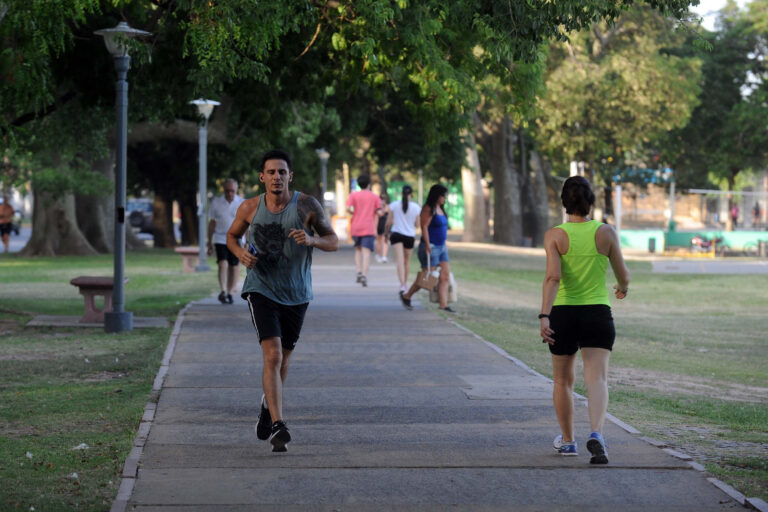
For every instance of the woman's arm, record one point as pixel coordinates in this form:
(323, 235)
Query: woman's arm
(425, 217)
(551, 281)
(609, 240)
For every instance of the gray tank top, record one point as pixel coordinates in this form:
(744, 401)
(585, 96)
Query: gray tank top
(283, 272)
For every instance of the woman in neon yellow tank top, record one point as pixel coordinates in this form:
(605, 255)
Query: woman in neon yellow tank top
(576, 313)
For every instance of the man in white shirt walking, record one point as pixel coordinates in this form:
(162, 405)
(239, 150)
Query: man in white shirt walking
(221, 213)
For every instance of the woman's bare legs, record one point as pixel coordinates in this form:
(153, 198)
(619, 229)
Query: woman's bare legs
(596, 380)
(400, 265)
(444, 284)
(564, 375)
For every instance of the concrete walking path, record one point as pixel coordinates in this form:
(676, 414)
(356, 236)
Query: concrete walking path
(389, 410)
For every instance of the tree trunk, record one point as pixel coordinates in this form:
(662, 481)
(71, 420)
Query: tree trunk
(94, 211)
(540, 193)
(54, 228)
(162, 221)
(476, 227)
(500, 142)
(188, 207)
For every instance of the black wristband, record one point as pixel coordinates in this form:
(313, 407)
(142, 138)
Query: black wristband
(543, 315)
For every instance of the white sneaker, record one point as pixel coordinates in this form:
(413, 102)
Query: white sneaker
(384, 259)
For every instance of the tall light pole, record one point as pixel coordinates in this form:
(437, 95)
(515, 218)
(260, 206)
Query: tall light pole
(115, 38)
(324, 156)
(205, 109)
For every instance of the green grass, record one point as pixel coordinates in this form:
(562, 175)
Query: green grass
(689, 363)
(62, 387)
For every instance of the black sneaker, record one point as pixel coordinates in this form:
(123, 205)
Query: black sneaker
(229, 299)
(223, 297)
(280, 437)
(364, 280)
(406, 302)
(448, 309)
(359, 277)
(264, 426)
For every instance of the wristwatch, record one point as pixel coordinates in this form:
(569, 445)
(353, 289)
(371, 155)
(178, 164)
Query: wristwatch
(543, 315)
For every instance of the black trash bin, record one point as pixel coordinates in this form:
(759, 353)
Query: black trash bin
(652, 245)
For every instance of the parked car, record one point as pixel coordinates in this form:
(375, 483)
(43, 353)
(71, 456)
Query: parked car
(140, 214)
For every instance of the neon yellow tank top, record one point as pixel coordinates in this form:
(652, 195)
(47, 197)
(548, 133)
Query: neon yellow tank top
(582, 268)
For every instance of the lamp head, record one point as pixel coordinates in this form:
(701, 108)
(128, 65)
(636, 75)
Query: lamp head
(204, 107)
(115, 38)
(323, 154)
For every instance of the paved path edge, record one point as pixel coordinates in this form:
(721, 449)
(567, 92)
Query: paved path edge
(752, 503)
(131, 466)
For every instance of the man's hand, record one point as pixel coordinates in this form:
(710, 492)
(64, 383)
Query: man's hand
(620, 292)
(247, 259)
(210, 248)
(301, 237)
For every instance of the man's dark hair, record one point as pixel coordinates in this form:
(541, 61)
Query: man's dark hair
(363, 181)
(275, 154)
(577, 196)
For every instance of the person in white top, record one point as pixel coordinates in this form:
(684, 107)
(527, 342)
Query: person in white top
(402, 222)
(222, 213)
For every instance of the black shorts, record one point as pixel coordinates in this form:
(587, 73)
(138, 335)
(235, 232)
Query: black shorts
(6, 228)
(223, 253)
(274, 320)
(381, 226)
(397, 238)
(581, 326)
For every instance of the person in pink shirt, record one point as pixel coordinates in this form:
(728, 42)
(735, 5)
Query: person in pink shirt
(364, 206)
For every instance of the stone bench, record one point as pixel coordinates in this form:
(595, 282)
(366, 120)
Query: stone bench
(90, 287)
(189, 258)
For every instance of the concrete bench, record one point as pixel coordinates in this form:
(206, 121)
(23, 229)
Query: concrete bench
(90, 287)
(189, 258)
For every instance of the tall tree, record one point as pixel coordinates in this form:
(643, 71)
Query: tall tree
(726, 134)
(613, 90)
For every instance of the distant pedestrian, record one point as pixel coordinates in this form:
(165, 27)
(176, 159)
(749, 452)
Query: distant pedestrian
(403, 219)
(222, 213)
(756, 215)
(282, 229)
(6, 221)
(735, 215)
(382, 242)
(433, 253)
(364, 206)
(576, 312)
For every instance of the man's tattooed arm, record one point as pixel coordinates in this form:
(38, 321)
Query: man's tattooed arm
(313, 217)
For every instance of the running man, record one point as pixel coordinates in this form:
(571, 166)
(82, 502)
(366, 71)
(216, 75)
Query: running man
(282, 229)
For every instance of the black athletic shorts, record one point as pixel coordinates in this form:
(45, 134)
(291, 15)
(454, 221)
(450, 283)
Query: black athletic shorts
(381, 226)
(6, 228)
(274, 320)
(581, 326)
(223, 253)
(397, 238)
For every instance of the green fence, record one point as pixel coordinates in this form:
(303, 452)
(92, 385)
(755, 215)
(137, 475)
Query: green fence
(662, 240)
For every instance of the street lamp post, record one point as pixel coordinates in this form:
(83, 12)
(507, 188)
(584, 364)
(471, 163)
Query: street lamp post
(324, 156)
(115, 38)
(205, 109)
